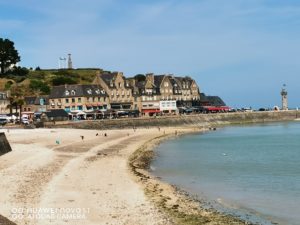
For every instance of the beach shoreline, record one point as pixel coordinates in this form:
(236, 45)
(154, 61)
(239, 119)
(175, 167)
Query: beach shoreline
(106, 171)
(179, 205)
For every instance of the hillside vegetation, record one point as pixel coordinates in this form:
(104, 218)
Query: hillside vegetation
(33, 82)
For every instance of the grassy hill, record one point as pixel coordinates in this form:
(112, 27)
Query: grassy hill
(33, 82)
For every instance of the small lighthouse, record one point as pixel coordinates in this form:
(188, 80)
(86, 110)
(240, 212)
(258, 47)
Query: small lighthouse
(69, 62)
(284, 98)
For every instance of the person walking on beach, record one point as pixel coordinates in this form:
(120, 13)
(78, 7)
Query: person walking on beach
(82, 137)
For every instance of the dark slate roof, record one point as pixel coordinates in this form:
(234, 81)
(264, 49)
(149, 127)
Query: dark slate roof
(158, 79)
(186, 79)
(175, 82)
(56, 113)
(212, 100)
(29, 100)
(108, 77)
(86, 90)
(34, 100)
(141, 84)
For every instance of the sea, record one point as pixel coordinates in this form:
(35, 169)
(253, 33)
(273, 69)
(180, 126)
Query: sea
(251, 171)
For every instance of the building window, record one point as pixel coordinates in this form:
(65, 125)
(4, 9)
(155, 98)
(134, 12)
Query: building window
(166, 84)
(73, 92)
(89, 91)
(67, 92)
(67, 100)
(73, 100)
(79, 100)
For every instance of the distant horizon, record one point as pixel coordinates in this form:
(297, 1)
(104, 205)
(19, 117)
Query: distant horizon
(242, 51)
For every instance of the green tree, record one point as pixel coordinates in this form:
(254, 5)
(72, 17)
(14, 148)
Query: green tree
(39, 86)
(140, 77)
(63, 80)
(8, 55)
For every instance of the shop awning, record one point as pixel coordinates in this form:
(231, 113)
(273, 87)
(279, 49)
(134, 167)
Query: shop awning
(150, 110)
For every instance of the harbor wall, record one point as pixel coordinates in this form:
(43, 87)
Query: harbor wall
(4, 144)
(197, 120)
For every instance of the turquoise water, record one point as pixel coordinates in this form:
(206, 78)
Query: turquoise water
(254, 171)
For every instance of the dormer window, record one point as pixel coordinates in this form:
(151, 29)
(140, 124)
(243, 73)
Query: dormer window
(97, 91)
(73, 92)
(67, 92)
(89, 91)
(102, 92)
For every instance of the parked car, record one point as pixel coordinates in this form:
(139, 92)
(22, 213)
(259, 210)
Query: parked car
(25, 121)
(3, 121)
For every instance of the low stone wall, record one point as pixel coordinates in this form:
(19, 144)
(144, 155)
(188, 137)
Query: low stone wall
(4, 144)
(199, 120)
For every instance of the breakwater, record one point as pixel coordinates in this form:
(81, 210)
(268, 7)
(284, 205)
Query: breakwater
(4, 144)
(197, 120)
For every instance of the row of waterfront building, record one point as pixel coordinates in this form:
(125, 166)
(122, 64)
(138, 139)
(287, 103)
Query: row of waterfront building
(149, 95)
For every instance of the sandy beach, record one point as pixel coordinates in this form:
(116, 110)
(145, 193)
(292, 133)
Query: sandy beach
(74, 176)
(82, 180)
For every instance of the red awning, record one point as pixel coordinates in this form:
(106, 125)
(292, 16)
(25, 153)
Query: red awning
(217, 108)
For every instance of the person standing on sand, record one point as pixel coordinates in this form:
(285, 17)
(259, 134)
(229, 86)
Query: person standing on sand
(82, 137)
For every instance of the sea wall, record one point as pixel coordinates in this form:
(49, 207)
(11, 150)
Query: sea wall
(199, 120)
(4, 144)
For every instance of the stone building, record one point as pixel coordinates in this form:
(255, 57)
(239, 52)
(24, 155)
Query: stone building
(35, 105)
(189, 91)
(75, 98)
(119, 90)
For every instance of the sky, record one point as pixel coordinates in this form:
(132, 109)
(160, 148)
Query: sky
(241, 50)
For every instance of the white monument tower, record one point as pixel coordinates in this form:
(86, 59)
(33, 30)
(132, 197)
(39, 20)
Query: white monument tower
(284, 98)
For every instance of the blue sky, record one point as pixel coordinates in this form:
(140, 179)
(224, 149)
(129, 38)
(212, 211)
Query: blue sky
(241, 50)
